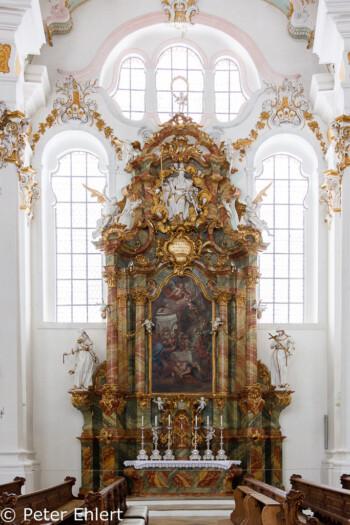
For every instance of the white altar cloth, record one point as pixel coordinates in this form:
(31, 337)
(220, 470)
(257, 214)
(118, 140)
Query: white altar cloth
(178, 463)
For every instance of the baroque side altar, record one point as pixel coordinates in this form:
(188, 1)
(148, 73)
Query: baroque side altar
(181, 271)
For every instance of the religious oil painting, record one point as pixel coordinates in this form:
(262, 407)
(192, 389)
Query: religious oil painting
(181, 339)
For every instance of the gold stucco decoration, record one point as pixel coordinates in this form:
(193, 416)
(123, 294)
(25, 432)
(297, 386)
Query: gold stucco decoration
(5, 53)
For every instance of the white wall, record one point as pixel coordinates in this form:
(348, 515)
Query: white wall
(302, 421)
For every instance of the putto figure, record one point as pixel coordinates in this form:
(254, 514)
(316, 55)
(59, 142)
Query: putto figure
(148, 325)
(160, 404)
(201, 405)
(216, 325)
(282, 345)
(85, 358)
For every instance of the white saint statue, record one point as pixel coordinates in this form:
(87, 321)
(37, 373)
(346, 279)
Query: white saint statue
(178, 194)
(85, 358)
(282, 345)
(232, 212)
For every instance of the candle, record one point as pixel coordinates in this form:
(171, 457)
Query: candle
(207, 421)
(142, 421)
(221, 420)
(156, 421)
(169, 420)
(196, 420)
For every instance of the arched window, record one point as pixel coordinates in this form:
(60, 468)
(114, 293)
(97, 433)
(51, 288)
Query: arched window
(229, 95)
(282, 265)
(179, 72)
(78, 263)
(130, 94)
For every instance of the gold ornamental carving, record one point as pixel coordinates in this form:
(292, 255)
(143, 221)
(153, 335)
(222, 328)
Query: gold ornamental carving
(340, 134)
(143, 402)
(140, 297)
(122, 299)
(180, 11)
(181, 249)
(251, 399)
(105, 436)
(75, 103)
(14, 129)
(219, 401)
(112, 400)
(223, 297)
(279, 399)
(110, 276)
(81, 399)
(240, 300)
(5, 53)
(251, 277)
(30, 191)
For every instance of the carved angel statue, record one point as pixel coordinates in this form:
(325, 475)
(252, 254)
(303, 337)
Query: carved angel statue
(104, 309)
(113, 210)
(252, 211)
(85, 358)
(160, 404)
(282, 345)
(128, 151)
(259, 308)
(148, 325)
(201, 405)
(216, 324)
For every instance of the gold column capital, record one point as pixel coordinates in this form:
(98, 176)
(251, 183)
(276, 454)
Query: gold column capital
(110, 276)
(223, 296)
(140, 296)
(251, 276)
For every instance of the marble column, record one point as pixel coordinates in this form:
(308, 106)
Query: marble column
(141, 298)
(223, 363)
(112, 339)
(251, 280)
(123, 354)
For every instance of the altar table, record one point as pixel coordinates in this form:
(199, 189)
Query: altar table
(181, 477)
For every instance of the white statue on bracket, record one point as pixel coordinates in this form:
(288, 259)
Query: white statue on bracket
(230, 207)
(178, 194)
(85, 359)
(282, 345)
(252, 212)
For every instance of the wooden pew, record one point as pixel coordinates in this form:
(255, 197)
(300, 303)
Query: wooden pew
(326, 502)
(345, 481)
(13, 487)
(239, 495)
(55, 504)
(262, 510)
(102, 506)
(290, 503)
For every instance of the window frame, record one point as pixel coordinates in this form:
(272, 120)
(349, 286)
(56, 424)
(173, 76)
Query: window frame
(59, 144)
(175, 73)
(312, 166)
(228, 93)
(130, 88)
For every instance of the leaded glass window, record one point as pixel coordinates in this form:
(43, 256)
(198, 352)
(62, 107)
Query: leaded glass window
(282, 265)
(179, 70)
(130, 93)
(78, 263)
(229, 95)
